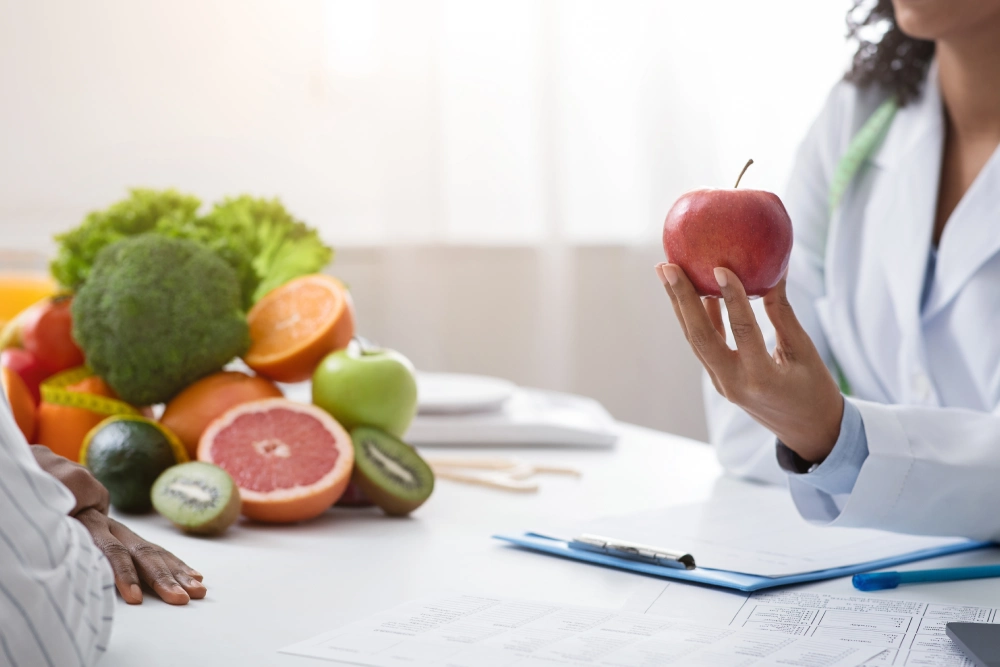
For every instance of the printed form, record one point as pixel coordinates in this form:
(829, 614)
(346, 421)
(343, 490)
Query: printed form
(908, 633)
(478, 631)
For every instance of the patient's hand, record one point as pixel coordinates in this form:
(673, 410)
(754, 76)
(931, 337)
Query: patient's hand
(88, 492)
(133, 559)
(790, 392)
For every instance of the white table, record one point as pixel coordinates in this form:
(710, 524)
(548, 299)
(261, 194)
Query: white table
(270, 586)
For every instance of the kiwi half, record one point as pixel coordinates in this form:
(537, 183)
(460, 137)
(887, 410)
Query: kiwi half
(197, 497)
(390, 472)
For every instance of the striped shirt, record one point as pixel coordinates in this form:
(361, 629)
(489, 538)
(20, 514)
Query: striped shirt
(57, 592)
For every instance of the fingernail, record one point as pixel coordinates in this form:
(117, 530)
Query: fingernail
(194, 583)
(720, 276)
(670, 274)
(135, 592)
(196, 573)
(659, 272)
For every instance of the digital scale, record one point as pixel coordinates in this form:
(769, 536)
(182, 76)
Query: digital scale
(467, 410)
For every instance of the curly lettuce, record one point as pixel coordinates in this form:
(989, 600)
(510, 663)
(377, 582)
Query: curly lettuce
(280, 247)
(258, 238)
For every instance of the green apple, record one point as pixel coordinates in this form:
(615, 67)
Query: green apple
(360, 386)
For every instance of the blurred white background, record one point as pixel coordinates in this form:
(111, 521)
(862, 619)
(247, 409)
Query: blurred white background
(493, 173)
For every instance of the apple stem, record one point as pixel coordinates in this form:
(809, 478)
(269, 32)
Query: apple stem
(740, 177)
(365, 346)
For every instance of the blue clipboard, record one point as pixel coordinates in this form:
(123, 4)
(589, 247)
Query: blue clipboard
(737, 580)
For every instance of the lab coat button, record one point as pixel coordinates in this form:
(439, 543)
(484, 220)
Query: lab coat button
(921, 386)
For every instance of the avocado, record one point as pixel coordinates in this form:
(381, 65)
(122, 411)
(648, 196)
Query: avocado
(126, 454)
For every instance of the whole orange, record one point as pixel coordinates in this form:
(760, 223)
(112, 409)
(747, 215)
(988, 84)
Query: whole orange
(20, 401)
(192, 410)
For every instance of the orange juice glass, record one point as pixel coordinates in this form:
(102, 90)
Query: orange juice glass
(24, 280)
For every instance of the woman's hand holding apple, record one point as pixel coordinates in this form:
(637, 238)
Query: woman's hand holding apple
(791, 392)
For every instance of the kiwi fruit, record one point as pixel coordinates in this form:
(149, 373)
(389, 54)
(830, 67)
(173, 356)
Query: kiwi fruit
(390, 472)
(197, 497)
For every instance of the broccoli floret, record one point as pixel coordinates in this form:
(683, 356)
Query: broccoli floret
(156, 314)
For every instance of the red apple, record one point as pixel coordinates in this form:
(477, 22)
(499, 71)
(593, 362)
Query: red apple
(48, 334)
(27, 365)
(746, 231)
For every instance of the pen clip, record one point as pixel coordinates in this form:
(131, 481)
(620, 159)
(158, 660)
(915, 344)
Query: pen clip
(633, 551)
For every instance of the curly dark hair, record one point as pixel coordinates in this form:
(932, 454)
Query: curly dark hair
(886, 56)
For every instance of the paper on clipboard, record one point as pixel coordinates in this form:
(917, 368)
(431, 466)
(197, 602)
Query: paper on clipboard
(756, 530)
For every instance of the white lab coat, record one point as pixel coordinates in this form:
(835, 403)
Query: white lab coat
(927, 384)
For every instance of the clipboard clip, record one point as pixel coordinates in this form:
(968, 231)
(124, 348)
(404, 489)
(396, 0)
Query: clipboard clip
(633, 551)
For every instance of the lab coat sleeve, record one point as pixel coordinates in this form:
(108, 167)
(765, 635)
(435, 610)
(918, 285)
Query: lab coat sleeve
(929, 470)
(744, 447)
(838, 473)
(57, 593)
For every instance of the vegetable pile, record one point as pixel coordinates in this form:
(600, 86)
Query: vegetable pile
(158, 299)
(264, 244)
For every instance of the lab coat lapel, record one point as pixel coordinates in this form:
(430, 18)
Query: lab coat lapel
(971, 237)
(904, 199)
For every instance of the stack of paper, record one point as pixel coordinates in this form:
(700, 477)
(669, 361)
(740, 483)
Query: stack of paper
(908, 632)
(479, 631)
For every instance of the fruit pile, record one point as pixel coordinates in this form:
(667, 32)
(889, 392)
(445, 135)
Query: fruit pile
(150, 324)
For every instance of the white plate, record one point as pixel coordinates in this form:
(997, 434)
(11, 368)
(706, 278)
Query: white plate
(456, 393)
(528, 418)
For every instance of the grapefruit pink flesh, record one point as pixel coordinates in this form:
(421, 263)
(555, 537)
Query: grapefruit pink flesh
(290, 461)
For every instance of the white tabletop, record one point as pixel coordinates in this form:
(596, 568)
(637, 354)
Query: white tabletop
(271, 586)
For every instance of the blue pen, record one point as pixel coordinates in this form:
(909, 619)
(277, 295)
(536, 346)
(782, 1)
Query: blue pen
(877, 581)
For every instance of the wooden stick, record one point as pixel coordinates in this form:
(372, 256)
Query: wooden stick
(491, 481)
(520, 468)
(557, 470)
(472, 464)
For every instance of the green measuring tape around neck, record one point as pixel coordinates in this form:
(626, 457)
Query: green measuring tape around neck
(862, 147)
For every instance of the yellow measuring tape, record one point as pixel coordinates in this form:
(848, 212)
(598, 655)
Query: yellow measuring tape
(54, 391)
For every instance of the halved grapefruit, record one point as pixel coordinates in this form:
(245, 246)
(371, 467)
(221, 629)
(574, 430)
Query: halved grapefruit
(291, 461)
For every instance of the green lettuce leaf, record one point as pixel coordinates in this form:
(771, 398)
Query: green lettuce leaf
(259, 238)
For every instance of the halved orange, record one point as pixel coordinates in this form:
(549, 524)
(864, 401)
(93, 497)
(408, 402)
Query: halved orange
(296, 325)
